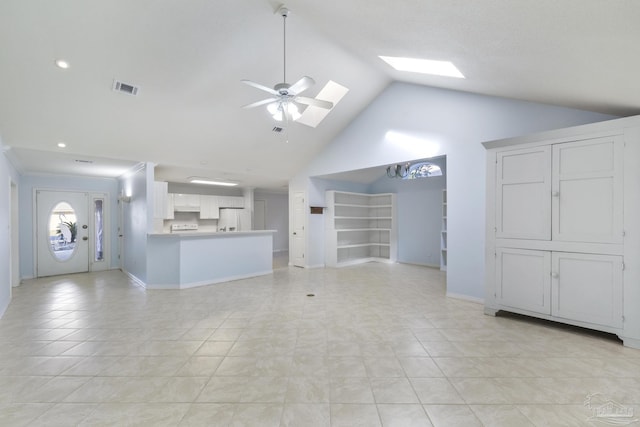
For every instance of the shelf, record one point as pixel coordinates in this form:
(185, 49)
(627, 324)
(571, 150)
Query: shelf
(360, 245)
(360, 228)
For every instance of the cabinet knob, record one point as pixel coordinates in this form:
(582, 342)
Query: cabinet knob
(556, 194)
(555, 275)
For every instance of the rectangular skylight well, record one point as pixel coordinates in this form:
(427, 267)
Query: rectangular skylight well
(425, 66)
(332, 92)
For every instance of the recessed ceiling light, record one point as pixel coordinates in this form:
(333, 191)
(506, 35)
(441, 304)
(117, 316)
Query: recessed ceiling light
(61, 145)
(425, 66)
(61, 63)
(209, 182)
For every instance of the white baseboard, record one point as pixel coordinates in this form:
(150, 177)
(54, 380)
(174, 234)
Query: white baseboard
(465, 298)
(134, 278)
(205, 282)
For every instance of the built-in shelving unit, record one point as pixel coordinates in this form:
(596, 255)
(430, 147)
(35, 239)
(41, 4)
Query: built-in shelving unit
(443, 233)
(360, 228)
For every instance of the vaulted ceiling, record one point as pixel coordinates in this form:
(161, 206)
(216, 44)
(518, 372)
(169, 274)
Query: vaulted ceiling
(188, 58)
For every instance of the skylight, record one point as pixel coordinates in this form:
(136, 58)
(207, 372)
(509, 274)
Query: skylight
(425, 66)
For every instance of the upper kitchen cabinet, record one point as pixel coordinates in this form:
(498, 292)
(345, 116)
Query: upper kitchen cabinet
(186, 202)
(231, 202)
(162, 201)
(209, 207)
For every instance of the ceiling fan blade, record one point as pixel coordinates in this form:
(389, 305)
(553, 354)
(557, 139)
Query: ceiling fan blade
(315, 102)
(259, 86)
(301, 85)
(259, 103)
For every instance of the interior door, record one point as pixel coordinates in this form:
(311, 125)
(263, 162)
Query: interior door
(298, 229)
(62, 232)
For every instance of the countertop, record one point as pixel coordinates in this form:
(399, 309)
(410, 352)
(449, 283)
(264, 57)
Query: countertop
(196, 234)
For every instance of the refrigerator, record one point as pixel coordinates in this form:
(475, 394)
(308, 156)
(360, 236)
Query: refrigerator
(234, 220)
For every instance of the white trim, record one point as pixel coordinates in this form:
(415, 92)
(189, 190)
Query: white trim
(134, 278)
(465, 298)
(205, 282)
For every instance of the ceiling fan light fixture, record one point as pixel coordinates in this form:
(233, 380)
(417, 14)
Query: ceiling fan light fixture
(276, 109)
(424, 66)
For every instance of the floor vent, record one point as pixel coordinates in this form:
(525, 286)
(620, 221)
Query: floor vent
(277, 129)
(127, 88)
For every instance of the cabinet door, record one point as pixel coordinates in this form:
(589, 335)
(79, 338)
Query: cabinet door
(160, 197)
(524, 279)
(587, 191)
(523, 194)
(209, 207)
(587, 288)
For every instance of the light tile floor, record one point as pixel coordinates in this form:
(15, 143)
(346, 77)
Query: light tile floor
(377, 345)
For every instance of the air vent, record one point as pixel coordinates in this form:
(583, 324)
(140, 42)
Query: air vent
(277, 129)
(83, 161)
(127, 88)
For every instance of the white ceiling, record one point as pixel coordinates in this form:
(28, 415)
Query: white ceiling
(188, 58)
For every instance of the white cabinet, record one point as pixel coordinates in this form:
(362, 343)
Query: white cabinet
(588, 288)
(524, 279)
(560, 207)
(186, 202)
(209, 207)
(523, 203)
(231, 201)
(587, 191)
(162, 203)
(360, 228)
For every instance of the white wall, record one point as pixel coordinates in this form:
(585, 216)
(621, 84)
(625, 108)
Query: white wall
(408, 122)
(58, 182)
(8, 174)
(276, 217)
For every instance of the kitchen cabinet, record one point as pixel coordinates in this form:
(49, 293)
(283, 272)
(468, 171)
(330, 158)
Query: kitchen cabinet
(360, 228)
(186, 202)
(563, 220)
(162, 203)
(209, 207)
(231, 202)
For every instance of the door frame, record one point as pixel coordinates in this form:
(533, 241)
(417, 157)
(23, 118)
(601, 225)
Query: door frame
(91, 196)
(14, 250)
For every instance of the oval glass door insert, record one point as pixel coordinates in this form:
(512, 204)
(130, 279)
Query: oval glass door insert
(63, 229)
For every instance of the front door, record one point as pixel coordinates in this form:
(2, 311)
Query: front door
(62, 232)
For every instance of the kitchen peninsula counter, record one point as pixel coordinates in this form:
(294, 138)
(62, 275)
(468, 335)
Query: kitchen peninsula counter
(188, 259)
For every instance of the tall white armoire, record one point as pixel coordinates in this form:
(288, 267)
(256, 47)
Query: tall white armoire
(563, 226)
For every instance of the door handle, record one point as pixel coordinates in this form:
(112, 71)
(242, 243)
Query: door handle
(294, 233)
(85, 238)
(84, 227)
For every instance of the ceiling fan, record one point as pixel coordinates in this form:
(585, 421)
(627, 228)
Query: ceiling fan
(284, 96)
